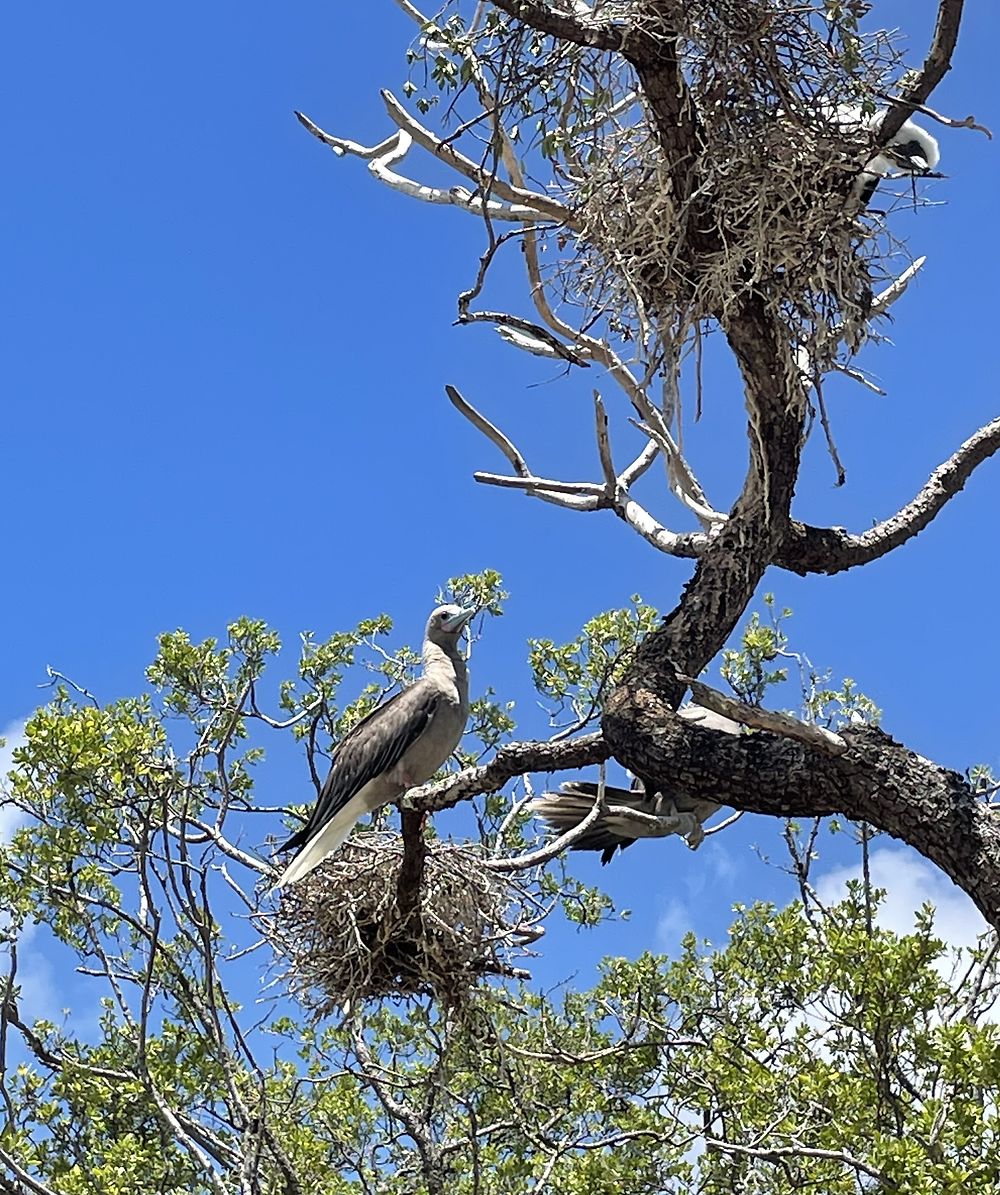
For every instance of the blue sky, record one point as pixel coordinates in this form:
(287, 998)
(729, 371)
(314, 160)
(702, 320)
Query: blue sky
(225, 353)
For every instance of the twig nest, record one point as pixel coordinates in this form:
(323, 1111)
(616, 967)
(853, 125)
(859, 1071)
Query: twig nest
(762, 195)
(346, 941)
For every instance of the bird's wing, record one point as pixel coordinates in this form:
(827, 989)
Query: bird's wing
(375, 745)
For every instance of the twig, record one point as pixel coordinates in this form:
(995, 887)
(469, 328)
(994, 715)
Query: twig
(969, 122)
(558, 845)
(55, 676)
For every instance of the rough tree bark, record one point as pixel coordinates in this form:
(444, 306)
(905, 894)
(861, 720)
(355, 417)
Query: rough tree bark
(876, 780)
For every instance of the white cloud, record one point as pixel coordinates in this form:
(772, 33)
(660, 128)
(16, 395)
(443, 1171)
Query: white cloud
(13, 734)
(673, 923)
(909, 881)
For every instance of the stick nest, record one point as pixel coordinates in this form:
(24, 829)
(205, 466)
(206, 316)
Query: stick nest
(346, 942)
(749, 187)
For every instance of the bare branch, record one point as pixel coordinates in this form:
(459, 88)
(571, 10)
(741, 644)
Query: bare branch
(604, 446)
(554, 848)
(491, 432)
(503, 319)
(541, 483)
(683, 482)
(832, 550)
(630, 475)
(489, 182)
(951, 122)
(664, 540)
(857, 376)
(936, 66)
(512, 759)
(884, 299)
(382, 157)
(556, 493)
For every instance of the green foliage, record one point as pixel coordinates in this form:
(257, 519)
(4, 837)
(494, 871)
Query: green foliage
(483, 590)
(763, 640)
(745, 669)
(813, 1051)
(577, 675)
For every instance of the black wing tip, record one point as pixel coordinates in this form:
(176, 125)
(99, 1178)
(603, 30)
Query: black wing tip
(296, 842)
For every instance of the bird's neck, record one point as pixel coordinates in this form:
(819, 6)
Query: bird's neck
(448, 665)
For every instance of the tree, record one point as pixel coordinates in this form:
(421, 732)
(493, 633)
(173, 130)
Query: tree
(696, 182)
(814, 1051)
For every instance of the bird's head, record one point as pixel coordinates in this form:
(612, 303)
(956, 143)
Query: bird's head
(913, 148)
(447, 622)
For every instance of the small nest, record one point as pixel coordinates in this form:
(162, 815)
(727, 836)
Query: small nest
(346, 941)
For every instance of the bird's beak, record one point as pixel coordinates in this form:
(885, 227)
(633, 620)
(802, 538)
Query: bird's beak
(457, 621)
(914, 162)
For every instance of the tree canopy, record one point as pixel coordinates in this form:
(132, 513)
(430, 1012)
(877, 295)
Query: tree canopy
(677, 182)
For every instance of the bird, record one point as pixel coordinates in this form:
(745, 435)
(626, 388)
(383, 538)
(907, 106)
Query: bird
(398, 745)
(564, 810)
(911, 149)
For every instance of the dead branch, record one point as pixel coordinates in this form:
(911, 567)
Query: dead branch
(759, 718)
(832, 550)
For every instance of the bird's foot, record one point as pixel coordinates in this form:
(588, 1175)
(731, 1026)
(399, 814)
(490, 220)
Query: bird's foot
(687, 824)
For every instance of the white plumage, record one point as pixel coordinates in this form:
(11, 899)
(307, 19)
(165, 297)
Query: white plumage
(912, 149)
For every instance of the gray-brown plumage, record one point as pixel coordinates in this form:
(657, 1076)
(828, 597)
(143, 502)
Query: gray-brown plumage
(399, 745)
(564, 810)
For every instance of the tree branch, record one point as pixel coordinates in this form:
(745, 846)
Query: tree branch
(513, 759)
(758, 718)
(487, 181)
(382, 157)
(568, 28)
(831, 550)
(877, 780)
(776, 1153)
(936, 66)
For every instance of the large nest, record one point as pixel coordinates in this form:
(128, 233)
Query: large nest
(749, 186)
(346, 939)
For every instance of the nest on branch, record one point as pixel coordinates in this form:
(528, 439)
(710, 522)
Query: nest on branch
(349, 932)
(752, 186)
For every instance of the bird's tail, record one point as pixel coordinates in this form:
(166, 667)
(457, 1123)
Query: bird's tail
(319, 847)
(568, 807)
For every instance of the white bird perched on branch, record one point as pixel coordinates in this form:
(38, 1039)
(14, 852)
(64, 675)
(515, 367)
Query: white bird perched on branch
(911, 150)
(399, 745)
